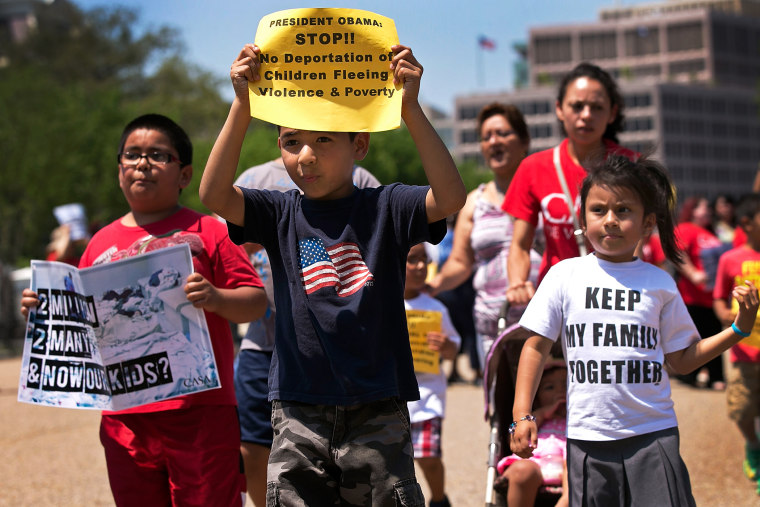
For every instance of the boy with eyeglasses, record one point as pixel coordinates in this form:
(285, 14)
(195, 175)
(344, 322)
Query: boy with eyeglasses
(185, 450)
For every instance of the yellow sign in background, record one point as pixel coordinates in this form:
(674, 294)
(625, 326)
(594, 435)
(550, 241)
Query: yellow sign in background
(420, 323)
(748, 273)
(326, 70)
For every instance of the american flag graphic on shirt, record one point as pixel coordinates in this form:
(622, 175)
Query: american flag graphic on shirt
(340, 266)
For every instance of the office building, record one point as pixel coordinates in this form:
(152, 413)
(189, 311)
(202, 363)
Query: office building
(689, 73)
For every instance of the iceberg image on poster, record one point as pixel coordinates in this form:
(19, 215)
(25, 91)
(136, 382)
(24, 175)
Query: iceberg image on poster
(115, 335)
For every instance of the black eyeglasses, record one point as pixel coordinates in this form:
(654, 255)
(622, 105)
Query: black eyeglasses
(153, 158)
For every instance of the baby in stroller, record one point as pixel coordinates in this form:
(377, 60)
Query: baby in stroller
(545, 470)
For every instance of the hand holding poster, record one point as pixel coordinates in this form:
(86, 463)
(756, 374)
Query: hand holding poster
(115, 335)
(74, 216)
(420, 323)
(326, 70)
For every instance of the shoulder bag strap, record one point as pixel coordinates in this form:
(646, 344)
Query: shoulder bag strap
(577, 232)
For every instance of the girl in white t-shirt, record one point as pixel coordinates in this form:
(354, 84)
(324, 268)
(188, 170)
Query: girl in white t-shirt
(619, 319)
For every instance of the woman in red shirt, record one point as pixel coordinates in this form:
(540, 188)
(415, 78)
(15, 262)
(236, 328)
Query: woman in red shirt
(696, 278)
(589, 108)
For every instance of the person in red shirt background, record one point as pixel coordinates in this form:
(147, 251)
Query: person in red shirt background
(696, 278)
(743, 374)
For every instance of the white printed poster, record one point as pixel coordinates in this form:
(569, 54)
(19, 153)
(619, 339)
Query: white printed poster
(115, 335)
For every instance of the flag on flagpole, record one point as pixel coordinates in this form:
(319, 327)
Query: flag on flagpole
(486, 43)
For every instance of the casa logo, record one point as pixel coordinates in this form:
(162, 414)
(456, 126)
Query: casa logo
(555, 209)
(198, 381)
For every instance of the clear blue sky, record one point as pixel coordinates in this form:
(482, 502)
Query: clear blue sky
(442, 33)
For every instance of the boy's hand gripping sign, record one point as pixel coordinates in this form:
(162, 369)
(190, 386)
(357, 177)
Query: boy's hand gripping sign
(326, 70)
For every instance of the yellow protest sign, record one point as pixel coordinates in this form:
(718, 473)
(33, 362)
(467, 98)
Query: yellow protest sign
(326, 69)
(420, 323)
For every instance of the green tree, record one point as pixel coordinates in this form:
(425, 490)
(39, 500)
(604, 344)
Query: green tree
(65, 94)
(393, 157)
(54, 141)
(98, 46)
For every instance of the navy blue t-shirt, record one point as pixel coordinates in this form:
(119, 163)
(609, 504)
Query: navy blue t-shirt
(338, 269)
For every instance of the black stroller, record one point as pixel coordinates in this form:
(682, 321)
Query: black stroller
(499, 389)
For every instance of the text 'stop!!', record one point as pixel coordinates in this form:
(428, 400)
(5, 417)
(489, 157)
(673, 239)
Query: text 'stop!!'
(326, 70)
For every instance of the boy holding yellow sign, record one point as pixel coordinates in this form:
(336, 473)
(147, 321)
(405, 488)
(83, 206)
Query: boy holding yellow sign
(441, 340)
(341, 371)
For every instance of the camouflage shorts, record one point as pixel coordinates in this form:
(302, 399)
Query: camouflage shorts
(342, 455)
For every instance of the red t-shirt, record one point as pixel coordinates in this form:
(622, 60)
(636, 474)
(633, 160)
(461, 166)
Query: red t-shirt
(535, 190)
(735, 266)
(220, 261)
(652, 251)
(740, 237)
(692, 239)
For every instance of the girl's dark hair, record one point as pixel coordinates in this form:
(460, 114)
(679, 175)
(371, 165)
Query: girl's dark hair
(688, 207)
(747, 207)
(591, 71)
(550, 366)
(650, 181)
(177, 136)
(728, 199)
(512, 114)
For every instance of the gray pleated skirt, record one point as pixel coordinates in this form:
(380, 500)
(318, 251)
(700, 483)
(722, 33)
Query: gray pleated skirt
(641, 471)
